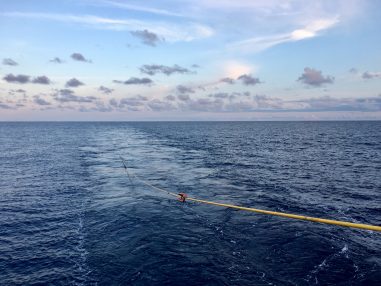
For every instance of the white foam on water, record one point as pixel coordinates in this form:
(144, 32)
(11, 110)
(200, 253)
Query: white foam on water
(83, 270)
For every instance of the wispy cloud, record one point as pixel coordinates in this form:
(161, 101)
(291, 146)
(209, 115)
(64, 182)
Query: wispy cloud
(311, 30)
(139, 8)
(184, 31)
(56, 60)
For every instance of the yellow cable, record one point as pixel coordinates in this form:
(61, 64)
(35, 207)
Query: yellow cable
(281, 214)
(293, 216)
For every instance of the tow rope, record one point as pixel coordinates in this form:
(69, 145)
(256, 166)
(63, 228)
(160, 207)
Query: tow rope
(182, 197)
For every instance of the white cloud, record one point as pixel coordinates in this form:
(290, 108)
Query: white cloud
(258, 44)
(139, 8)
(172, 32)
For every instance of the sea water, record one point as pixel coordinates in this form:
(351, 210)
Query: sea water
(69, 214)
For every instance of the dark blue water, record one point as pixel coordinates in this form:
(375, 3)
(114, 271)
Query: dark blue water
(70, 216)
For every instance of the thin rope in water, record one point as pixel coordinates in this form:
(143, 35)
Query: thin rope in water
(273, 213)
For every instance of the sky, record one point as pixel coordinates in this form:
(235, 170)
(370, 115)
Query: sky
(190, 60)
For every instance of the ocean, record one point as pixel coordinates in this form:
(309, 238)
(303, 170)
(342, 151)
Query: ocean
(70, 215)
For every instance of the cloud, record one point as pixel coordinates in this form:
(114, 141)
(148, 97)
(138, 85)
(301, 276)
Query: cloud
(148, 38)
(20, 90)
(183, 97)
(311, 30)
(228, 80)
(204, 104)
(41, 80)
(135, 80)
(248, 79)
(99, 107)
(170, 97)
(222, 102)
(314, 77)
(327, 103)
(113, 102)
(219, 95)
(158, 105)
(245, 102)
(230, 96)
(263, 103)
(84, 109)
(129, 102)
(137, 100)
(142, 9)
(73, 83)
(105, 90)
(246, 93)
(68, 95)
(371, 100)
(187, 31)
(353, 70)
(56, 60)
(9, 62)
(167, 70)
(142, 103)
(371, 75)
(21, 78)
(40, 101)
(79, 58)
(184, 89)
(204, 86)
(6, 106)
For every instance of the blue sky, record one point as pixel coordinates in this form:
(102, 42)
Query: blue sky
(190, 60)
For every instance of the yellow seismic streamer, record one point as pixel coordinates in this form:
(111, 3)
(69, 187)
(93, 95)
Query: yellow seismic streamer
(293, 216)
(281, 214)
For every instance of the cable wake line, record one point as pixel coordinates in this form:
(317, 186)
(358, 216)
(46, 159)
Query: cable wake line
(183, 197)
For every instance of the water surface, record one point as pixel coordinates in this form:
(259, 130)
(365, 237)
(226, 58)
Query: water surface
(69, 215)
